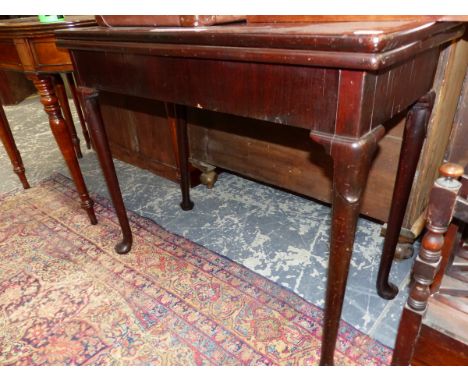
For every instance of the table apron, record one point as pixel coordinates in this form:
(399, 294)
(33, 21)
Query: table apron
(301, 96)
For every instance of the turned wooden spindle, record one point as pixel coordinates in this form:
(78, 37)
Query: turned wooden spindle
(44, 85)
(442, 201)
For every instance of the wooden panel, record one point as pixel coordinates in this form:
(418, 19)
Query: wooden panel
(457, 151)
(155, 128)
(436, 349)
(9, 58)
(305, 96)
(14, 87)
(138, 133)
(401, 86)
(447, 84)
(286, 157)
(119, 122)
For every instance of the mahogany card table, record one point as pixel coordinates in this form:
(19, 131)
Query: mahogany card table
(27, 45)
(340, 81)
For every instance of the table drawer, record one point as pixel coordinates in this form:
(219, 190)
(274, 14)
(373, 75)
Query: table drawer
(48, 57)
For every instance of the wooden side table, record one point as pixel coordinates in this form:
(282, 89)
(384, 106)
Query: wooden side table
(340, 81)
(28, 46)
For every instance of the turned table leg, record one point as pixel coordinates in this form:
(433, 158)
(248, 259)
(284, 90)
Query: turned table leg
(352, 159)
(413, 138)
(101, 145)
(44, 85)
(61, 93)
(176, 115)
(10, 146)
(76, 101)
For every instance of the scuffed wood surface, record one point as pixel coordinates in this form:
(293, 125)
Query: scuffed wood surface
(448, 85)
(458, 148)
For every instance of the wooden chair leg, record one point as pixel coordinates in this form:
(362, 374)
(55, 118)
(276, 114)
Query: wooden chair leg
(44, 85)
(440, 211)
(351, 163)
(12, 151)
(61, 93)
(79, 110)
(101, 145)
(413, 139)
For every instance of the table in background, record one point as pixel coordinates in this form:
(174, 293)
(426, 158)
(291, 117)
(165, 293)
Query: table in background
(28, 46)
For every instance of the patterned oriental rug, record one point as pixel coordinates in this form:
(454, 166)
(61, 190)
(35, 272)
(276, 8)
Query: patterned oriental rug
(67, 299)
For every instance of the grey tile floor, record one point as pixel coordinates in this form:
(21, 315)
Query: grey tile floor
(281, 236)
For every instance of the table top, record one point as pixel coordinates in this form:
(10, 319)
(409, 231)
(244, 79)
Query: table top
(343, 36)
(357, 45)
(31, 26)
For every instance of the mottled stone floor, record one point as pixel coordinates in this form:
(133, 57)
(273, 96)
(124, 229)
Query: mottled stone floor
(279, 235)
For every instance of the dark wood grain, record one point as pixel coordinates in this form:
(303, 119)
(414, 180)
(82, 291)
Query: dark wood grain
(79, 111)
(177, 119)
(351, 163)
(457, 151)
(232, 87)
(436, 349)
(98, 136)
(413, 139)
(14, 87)
(246, 89)
(320, 41)
(61, 93)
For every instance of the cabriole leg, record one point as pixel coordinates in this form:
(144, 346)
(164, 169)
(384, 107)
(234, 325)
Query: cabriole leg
(101, 145)
(413, 139)
(351, 163)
